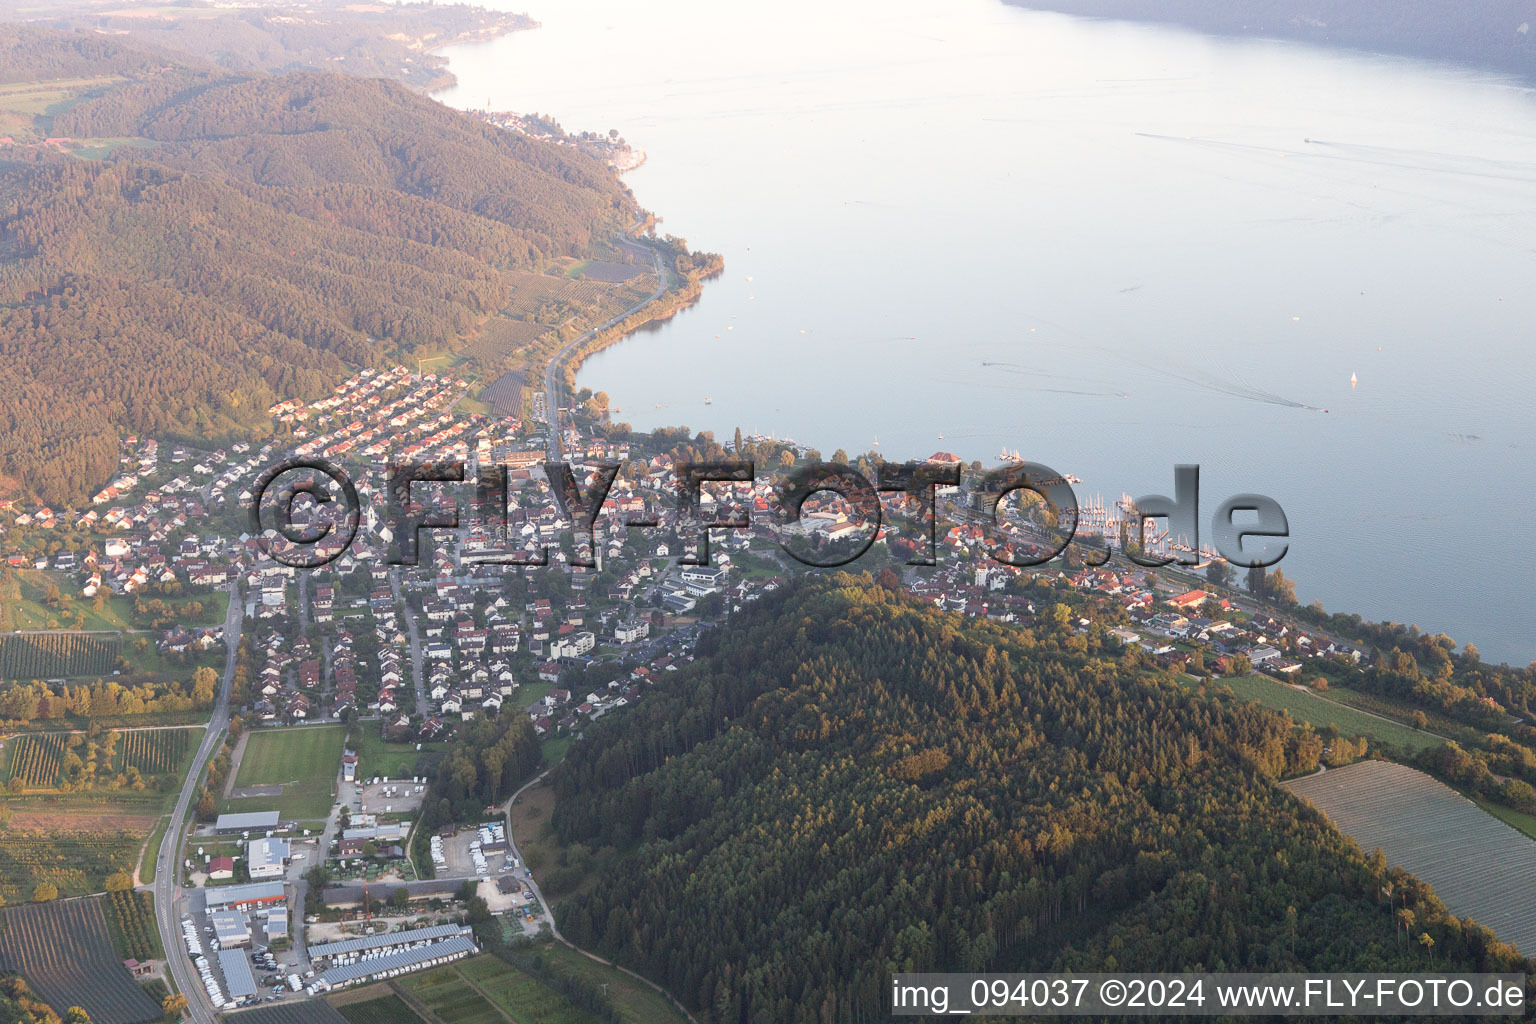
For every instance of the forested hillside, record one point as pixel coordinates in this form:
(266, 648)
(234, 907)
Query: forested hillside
(266, 231)
(1486, 33)
(849, 782)
(396, 41)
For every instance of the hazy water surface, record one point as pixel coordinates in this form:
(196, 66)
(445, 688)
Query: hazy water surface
(1109, 246)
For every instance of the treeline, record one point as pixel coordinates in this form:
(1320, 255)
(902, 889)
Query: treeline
(1491, 34)
(39, 701)
(485, 763)
(283, 230)
(849, 783)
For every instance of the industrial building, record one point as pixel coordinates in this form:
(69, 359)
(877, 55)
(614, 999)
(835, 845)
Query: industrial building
(412, 958)
(239, 982)
(230, 928)
(255, 894)
(254, 821)
(266, 858)
(275, 924)
(371, 943)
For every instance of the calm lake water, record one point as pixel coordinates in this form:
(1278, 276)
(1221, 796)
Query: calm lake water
(1112, 247)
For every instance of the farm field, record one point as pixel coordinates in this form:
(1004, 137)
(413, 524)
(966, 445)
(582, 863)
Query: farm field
(65, 951)
(504, 396)
(471, 991)
(58, 654)
(446, 995)
(522, 995)
(303, 1011)
(131, 920)
(636, 1002)
(24, 604)
(33, 761)
(385, 1009)
(1319, 712)
(1474, 861)
(76, 861)
(303, 760)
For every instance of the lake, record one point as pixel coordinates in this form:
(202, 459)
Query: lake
(1111, 247)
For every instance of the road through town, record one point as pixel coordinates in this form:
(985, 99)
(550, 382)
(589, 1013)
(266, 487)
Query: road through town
(166, 887)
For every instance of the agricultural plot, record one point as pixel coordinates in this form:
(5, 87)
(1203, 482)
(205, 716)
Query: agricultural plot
(130, 918)
(65, 952)
(612, 273)
(305, 1011)
(505, 394)
(75, 861)
(52, 655)
(635, 1001)
(502, 336)
(448, 997)
(155, 751)
(389, 1009)
(1480, 866)
(35, 760)
(523, 996)
(38, 599)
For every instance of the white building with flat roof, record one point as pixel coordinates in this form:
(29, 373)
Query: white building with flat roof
(266, 858)
(231, 928)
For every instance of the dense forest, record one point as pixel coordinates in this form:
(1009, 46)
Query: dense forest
(849, 782)
(274, 230)
(1490, 33)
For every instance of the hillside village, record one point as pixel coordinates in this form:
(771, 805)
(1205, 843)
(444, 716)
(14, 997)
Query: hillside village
(420, 649)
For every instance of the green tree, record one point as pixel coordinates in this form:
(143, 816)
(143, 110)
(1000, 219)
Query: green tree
(1219, 572)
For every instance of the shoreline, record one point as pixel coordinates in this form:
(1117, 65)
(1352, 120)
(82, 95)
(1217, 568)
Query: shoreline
(446, 79)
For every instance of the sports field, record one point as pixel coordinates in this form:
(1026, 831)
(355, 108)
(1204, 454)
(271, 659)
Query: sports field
(303, 760)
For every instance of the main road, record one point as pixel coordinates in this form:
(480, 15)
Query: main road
(552, 368)
(166, 888)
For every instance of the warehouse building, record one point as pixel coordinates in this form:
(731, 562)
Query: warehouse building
(387, 965)
(256, 894)
(239, 982)
(266, 858)
(255, 821)
(375, 943)
(231, 928)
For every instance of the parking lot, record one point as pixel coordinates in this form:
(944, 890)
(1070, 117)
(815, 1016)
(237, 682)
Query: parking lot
(270, 970)
(396, 796)
(461, 863)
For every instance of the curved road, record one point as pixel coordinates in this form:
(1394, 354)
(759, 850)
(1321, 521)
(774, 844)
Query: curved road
(168, 861)
(551, 369)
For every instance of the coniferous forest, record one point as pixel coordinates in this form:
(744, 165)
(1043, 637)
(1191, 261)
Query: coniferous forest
(848, 783)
